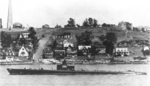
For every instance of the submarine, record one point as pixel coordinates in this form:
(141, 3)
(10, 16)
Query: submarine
(64, 69)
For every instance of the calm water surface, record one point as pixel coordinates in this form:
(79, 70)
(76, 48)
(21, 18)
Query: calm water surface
(77, 80)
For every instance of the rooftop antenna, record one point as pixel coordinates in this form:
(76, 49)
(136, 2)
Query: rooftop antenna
(9, 18)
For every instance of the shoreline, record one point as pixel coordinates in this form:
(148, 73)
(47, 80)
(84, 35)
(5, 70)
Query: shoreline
(81, 63)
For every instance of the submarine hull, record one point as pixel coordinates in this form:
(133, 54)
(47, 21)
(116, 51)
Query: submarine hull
(66, 72)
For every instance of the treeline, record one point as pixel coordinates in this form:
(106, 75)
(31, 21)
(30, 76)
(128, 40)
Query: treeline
(93, 23)
(88, 22)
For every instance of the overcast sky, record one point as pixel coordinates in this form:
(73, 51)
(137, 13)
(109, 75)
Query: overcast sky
(39, 12)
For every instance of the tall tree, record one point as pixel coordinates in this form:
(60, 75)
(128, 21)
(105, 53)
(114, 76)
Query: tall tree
(111, 36)
(95, 24)
(85, 23)
(129, 26)
(111, 39)
(91, 22)
(32, 35)
(71, 23)
(32, 32)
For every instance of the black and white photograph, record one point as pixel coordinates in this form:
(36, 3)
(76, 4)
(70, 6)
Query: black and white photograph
(74, 43)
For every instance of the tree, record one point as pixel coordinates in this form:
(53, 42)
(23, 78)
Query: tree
(129, 26)
(85, 23)
(111, 36)
(78, 25)
(104, 25)
(32, 32)
(95, 24)
(6, 39)
(58, 26)
(111, 39)
(54, 44)
(34, 39)
(85, 38)
(91, 22)
(71, 23)
(102, 37)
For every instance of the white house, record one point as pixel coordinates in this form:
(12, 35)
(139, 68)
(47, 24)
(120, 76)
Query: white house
(80, 47)
(23, 52)
(67, 44)
(121, 51)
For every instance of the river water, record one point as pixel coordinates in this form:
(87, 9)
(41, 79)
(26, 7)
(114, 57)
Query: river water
(77, 80)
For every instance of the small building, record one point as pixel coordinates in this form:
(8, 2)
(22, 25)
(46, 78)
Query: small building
(47, 53)
(59, 54)
(23, 52)
(122, 51)
(46, 26)
(17, 25)
(83, 50)
(25, 34)
(7, 54)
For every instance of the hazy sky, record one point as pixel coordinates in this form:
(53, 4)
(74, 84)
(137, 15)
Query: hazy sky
(39, 12)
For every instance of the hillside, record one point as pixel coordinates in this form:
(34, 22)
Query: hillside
(122, 35)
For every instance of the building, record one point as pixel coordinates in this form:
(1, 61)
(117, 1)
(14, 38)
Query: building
(122, 51)
(147, 29)
(83, 50)
(59, 53)
(65, 44)
(17, 25)
(47, 53)
(143, 28)
(46, 26)
(23, 52)
(125, 25)
(68, 43)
